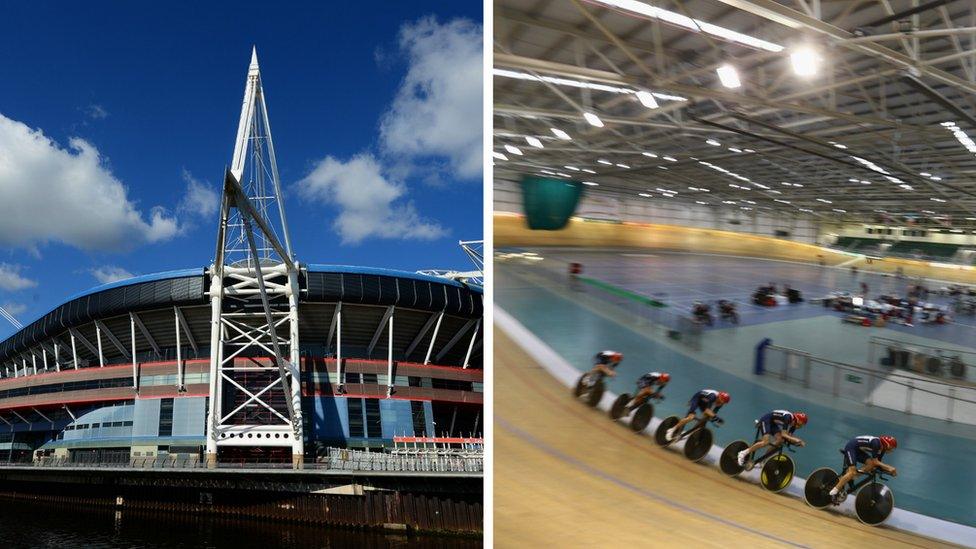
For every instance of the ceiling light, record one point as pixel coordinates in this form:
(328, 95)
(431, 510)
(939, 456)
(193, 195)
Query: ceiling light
(749, 150)
(933, 199)
(805, 61)
(534, 141)
(607, 162)
(838, 145)
(590, 183)
(700, 202)
(574, 168)
(587, 170)
(499, 155)
(852, 180)
(797, 184)
(647, 99)
(728, 76)
(865, 182)
(824, 200)
(694, 25)
(593, 119)
(935, 178)
(713, 143)
(645, 195)
(624, 166)
(735, 150)
(670, 159)
(663, 167)
(649, 154)
(579, 84)
(925, 174)
(907, 187)
(513, 149)
(560, 134)
(838, 210)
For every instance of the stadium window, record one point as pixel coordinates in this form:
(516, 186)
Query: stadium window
(370, 379)
(374, 423)
(419, 415)
(166, 417)
(127, 424)
(356, 426)
(352, 377)
(414, 381)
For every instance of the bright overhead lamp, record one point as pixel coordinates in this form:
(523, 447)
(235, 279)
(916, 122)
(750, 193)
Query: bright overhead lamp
(713, 143)
(728, 76)
(607, 162)
(924, 174)
(534, 141)
(583, 84)
(852, 180)
(593, 119)
(624, 166)
(663, 167)
(838, 210)
(749, 150)
(805, 61)
(670, 158)
(735, 150)
(560, 134)
(865, 182)
(574, 168)
(688, 23)
(935, 178)
(591, 184)
(587, 170)
(824, 200)
(499, 155)
(647, 99)
(645, 195)
(649, 154)
(934, 199)
(513, 149)
(907, 187)
(702, 203)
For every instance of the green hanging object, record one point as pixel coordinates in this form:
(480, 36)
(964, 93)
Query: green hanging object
(549, 203)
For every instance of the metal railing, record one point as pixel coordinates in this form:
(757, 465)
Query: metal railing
(954, 365)
(904, 392)
(446, 460)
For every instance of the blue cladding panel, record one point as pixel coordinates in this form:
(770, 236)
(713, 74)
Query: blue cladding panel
(189, 416)
(146, 418)
(395, 418)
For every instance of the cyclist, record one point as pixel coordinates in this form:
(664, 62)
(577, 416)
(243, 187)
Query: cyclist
(778, 425)
(709, 401)
(605, 362)
(866, 449)
(646, 385)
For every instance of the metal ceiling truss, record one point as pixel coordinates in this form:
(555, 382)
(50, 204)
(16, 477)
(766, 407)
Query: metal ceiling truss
(891, 72)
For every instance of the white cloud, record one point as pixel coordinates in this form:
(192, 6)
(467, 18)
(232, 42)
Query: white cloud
(370, 201)
(96, 112)
(110, 273)
(68, 195)
(200, 199)
(438, 109)
(14, 309)
(11, 279)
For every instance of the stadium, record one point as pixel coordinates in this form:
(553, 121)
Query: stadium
(773, 203)
(255, 358)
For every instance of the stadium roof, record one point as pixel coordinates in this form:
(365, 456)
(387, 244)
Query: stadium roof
(879, 126)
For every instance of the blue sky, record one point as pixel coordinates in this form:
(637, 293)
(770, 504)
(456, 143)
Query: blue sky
(116, 122)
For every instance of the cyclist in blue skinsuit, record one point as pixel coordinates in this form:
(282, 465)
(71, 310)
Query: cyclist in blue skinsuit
(866, 449)
(776, 425)
(709, 401)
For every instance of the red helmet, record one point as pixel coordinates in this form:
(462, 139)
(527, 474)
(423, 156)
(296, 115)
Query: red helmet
(888, 442)
(617, 356)
(800, 418)
(724, 397)
(665, 377)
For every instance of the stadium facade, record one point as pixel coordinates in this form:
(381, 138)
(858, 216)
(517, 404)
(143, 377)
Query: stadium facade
(257, 356)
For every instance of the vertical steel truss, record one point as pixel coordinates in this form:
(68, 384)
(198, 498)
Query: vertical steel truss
(255, 385)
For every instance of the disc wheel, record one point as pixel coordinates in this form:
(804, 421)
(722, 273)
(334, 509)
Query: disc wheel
(619, 408)
(777, 473)
(873, 503)
(729, 462)
(642, 417)
(595, 394)
(817, 489)
(698, 444)
(580, 386)
(661, 434)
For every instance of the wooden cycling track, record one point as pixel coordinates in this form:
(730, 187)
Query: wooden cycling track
(566, 476)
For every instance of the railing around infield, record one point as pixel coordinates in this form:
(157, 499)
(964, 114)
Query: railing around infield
(953, 365)
(886, 388)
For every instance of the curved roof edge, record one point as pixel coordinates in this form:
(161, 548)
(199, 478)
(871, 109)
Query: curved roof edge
(323, 268)
(152, 277)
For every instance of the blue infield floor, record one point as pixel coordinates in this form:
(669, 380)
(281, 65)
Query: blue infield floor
(935, 458)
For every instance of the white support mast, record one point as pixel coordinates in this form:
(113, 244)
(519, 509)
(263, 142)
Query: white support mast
(254, 299)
